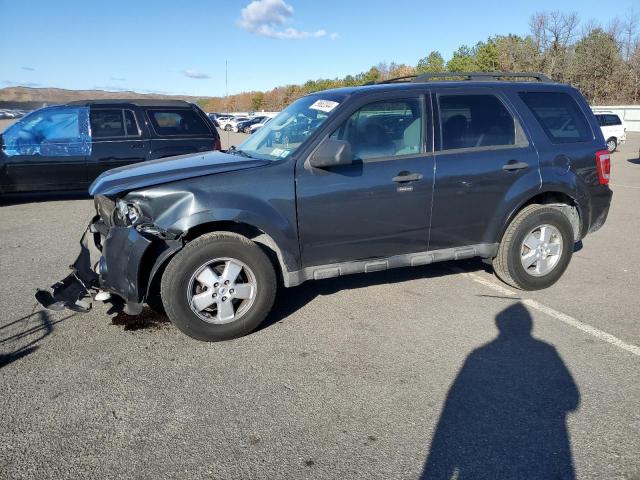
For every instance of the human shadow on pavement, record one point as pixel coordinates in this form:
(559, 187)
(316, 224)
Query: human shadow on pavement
(505, 414)
(21, 337)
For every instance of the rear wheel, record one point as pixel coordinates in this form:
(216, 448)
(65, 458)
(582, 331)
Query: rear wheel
(612, 144)
(228, 128)
(536, 248)
(220, 286)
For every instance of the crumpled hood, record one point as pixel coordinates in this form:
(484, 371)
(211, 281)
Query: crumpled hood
(170, 169)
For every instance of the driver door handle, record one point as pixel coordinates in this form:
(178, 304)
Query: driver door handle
(403, 177)
(514, 165)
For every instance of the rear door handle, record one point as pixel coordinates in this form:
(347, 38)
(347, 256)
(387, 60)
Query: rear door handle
(137, 145)
(514, 165)
(407, 177)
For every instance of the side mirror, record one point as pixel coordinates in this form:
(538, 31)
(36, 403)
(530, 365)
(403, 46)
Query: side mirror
(332, 153)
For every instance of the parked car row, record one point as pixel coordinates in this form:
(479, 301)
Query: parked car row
(6, 113)
(244, 124)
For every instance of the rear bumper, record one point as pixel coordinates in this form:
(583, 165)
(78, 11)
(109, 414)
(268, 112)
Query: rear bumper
(600, 203)
(109, 260)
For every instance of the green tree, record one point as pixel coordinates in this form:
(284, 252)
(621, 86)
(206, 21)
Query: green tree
(597, 67)
(432, 63)
(463, 60)
(517, 54)
(257, 101)
(486, 56)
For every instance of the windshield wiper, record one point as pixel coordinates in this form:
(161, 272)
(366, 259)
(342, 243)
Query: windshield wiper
(234, 151)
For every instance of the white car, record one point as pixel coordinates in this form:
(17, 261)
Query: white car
(230, 124)
(257, 126)
(613, 128)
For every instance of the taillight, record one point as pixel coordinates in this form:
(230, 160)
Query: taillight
(217, 145)
(603, 160)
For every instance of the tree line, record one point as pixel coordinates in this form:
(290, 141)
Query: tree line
(603, 62)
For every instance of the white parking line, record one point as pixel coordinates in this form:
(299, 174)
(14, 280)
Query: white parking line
(624, 186)
(563, 317)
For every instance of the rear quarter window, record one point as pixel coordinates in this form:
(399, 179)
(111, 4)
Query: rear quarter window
(177, 122)
(559, 116)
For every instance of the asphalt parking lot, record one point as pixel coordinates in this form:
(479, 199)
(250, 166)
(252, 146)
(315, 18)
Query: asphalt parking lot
(439, 371)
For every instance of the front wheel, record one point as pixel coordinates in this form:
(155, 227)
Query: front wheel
(220, 286)
(535, 249)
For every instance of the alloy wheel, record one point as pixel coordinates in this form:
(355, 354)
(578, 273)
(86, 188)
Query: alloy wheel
(222, 290)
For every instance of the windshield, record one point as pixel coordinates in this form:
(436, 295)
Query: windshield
(282, 135)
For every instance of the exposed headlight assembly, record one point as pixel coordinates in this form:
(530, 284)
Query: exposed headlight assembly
(127, 213)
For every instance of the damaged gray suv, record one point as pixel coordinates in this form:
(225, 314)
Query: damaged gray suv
(350, 180)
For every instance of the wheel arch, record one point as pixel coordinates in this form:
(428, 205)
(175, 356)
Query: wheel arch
(158, 262)
(565, 202)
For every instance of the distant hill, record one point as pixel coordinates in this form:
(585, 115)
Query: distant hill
(38, 96)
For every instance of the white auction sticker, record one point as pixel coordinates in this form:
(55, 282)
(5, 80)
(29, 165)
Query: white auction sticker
(324, 105)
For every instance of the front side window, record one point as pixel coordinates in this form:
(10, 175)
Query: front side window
(559, 116)
(284, 134)
(473, 121)
(384, 129)
(107, 123)
(53, 131)
(177, 122)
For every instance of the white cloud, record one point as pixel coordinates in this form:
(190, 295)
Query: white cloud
(195, 74)
(334, 36)
(268, 18)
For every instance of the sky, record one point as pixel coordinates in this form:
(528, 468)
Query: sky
(180, 47)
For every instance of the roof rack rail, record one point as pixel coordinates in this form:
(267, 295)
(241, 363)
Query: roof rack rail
(488, 76)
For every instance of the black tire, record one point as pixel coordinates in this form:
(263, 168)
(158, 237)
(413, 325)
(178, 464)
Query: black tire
(612, 144)
(507, 264)
(184, 264)
(228, 127)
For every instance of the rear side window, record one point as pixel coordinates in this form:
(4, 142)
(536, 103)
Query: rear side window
(106, 123)
(178, 122)
(608, 120)
(559, 116)
(131, 124)
(473, 121)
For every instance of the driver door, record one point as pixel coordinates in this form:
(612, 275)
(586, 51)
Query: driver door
(380, 205)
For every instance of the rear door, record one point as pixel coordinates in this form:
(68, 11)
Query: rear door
(178, 131)
(482, 152)
(46, 150)
(117, 140)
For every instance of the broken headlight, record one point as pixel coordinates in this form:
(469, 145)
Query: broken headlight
(127, 213)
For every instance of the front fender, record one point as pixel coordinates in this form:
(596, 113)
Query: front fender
(262, 198)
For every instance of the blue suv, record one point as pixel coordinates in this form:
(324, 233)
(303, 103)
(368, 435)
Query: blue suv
(408, 172)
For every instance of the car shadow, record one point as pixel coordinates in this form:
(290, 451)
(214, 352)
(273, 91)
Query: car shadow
(505, 415)
(21, 198)
(290, 300)
(21, 337)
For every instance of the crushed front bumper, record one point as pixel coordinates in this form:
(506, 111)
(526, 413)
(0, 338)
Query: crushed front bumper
(109, 260)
